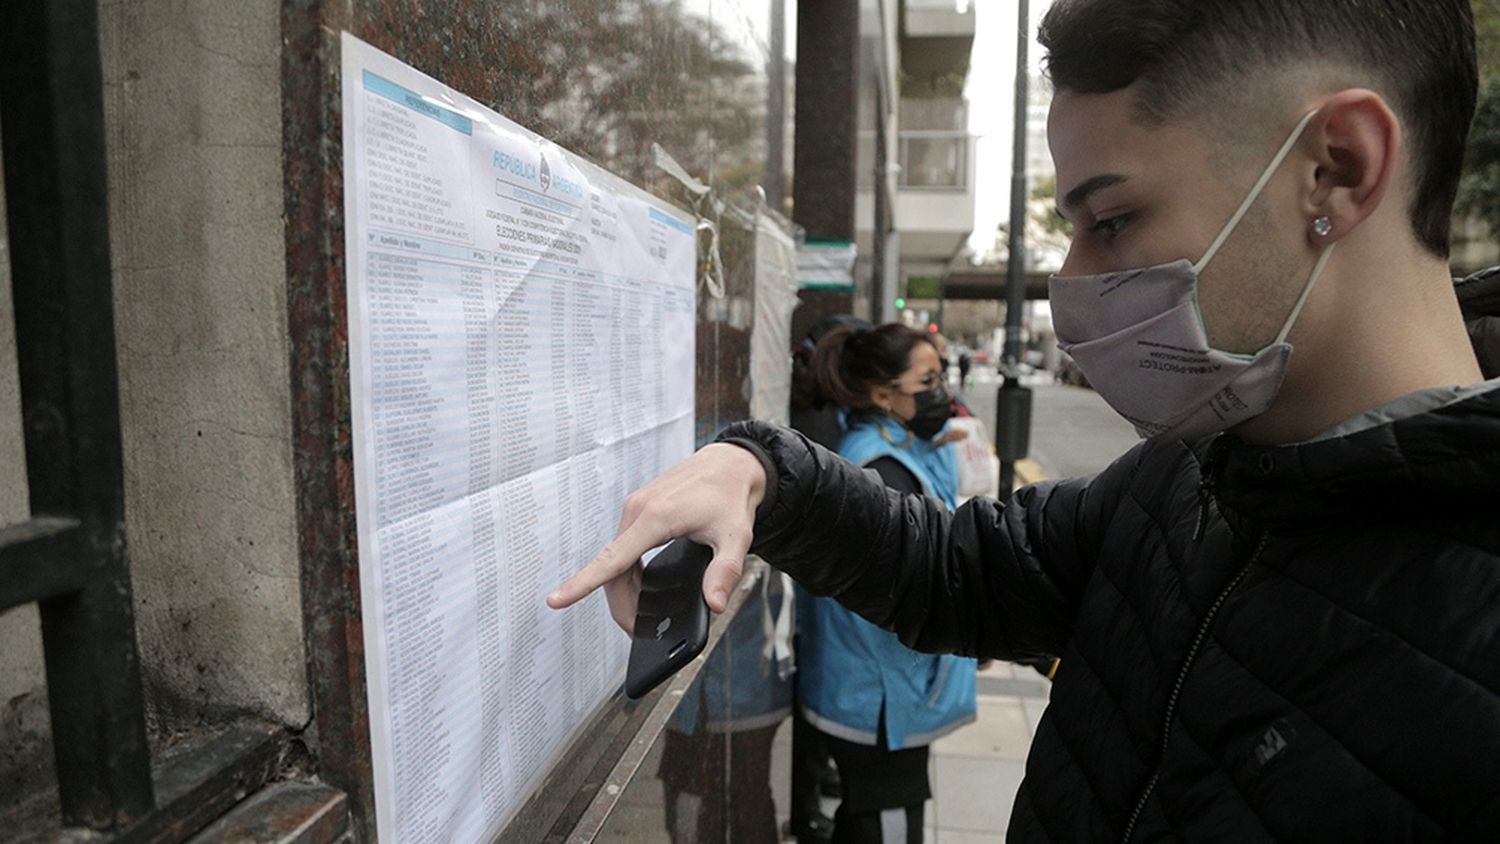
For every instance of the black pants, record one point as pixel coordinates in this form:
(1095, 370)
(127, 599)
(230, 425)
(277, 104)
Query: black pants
(884, 792)
(809, 758)
(887, 826)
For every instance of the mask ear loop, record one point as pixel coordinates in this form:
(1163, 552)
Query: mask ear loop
(1260, 185)
(1306, 292)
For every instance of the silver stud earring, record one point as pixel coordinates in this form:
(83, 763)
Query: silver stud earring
(1322, 226)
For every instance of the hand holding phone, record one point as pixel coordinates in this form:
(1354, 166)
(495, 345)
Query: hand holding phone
(671, 622)
(711, 496)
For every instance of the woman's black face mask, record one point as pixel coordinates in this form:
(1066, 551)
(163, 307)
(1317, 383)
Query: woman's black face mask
(934, 409)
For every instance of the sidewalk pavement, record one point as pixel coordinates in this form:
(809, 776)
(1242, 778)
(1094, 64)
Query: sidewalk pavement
(1073, 431)
(976, 770)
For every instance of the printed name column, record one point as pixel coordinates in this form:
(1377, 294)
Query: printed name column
(407, 413)
(477, 285)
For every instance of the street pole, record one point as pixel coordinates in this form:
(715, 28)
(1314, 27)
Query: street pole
(1013, 404)
(942, 293)
(776, 110)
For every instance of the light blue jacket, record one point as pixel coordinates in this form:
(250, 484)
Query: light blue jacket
(849, 669)
(741, 686)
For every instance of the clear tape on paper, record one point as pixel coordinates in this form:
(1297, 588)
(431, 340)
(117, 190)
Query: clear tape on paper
(711, 267)
(711, 261)
(667, 164)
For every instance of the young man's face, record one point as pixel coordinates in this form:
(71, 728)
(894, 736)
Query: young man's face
(1141, 195)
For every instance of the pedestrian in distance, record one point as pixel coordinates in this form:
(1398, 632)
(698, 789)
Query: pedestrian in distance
(1279, 614)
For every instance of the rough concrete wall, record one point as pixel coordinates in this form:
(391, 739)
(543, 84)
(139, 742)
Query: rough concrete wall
(23, 709)
(193, 108)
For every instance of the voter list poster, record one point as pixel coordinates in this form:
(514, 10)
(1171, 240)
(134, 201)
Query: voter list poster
(521, 357)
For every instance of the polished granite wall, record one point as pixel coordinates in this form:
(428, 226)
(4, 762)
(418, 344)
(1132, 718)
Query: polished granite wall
(608, 79)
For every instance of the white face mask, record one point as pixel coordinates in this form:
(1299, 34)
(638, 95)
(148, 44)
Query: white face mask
(1139, 338)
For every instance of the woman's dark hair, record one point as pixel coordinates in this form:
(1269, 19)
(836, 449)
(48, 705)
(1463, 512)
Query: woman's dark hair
(850, 362)
(805, 393)
(1185, 55)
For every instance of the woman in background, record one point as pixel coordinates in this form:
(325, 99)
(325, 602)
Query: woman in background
(879, 704)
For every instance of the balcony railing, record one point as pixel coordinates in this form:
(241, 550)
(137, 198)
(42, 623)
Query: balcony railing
(930, 160)
(934, 160)
(942, 18)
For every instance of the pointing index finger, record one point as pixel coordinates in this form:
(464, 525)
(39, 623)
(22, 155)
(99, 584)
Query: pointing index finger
(614, 560)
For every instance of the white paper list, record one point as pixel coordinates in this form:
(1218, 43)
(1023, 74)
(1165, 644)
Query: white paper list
(521, 351)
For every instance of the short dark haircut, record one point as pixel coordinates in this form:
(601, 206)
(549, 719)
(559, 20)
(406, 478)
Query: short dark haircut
(1418, 53)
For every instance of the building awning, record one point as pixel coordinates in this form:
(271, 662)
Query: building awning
(980, 283)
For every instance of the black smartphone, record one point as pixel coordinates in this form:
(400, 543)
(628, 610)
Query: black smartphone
(671, 621)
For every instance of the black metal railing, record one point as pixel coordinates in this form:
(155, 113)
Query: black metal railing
(69, 558)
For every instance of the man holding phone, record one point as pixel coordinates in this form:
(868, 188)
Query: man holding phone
(1279, 615)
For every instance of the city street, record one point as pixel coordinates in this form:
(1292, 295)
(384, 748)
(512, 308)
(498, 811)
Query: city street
(1073, 432)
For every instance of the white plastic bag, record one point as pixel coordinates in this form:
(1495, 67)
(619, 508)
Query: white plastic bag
(978, 467)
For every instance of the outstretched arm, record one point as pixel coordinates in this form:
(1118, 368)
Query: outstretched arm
(988, 580)
(985, 581)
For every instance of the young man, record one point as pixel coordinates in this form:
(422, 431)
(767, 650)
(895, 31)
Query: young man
(1289, 630)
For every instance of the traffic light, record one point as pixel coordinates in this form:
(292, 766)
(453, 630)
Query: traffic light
(900, 304)
(932, 328)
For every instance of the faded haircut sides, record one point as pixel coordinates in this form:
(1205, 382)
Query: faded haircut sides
(1419, 54)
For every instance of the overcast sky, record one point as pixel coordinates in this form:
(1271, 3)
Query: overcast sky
(991, 89)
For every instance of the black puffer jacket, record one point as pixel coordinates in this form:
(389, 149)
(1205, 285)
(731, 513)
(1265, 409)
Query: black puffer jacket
(1299, 642)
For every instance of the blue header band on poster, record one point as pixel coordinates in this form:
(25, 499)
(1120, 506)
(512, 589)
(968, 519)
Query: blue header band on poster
(669, 220)
(416, 102)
